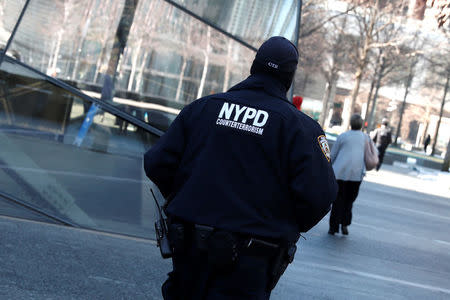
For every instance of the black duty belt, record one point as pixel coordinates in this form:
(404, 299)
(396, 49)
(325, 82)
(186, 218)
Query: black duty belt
(202, 235)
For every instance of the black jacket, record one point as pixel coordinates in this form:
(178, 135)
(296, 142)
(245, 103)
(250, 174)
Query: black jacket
(247, 161)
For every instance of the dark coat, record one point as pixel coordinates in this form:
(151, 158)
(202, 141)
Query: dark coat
(246, 161)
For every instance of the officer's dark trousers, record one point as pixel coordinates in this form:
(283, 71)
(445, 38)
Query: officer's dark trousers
(192, 278)
(341, 211)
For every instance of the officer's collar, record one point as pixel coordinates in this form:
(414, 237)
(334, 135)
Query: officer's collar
(272, 86)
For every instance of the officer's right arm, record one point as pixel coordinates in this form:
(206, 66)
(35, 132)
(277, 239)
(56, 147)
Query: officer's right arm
(312, 180)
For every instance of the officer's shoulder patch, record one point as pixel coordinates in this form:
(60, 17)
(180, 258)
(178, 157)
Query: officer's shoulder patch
(323, 143)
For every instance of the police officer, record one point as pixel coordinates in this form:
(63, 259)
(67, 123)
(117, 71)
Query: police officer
(244, 173)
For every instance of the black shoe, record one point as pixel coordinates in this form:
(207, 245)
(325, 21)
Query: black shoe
(344, 230)
(332, 232)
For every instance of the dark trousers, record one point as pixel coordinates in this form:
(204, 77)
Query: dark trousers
(341, 211)
(381, 151)
(193, 278)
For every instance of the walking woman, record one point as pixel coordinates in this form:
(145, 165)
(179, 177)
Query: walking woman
(347, 156)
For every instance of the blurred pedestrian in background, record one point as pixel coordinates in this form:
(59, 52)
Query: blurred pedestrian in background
(347, 156)
(382, 138)
(426, 143)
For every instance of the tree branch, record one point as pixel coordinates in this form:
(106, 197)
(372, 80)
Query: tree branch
(321, 24)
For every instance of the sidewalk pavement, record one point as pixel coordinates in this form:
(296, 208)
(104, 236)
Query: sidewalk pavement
(413, 178)
(45, 261)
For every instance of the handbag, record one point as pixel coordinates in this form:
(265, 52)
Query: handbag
(370, 154)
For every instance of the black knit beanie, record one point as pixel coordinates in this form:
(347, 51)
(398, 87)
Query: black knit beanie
(277, 57)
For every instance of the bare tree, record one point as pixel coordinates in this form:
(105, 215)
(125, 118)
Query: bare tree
(440, 71)
(371, 18)
(441, 111)
(82, 32)
(408, 82)
(106, 12)
(67, 15)
(318, 46)
(443, 15)
(120, 39)
(389, 67)
(316, 16)
(142, 34)
(437, 78)
(189, 42)
(336, 42)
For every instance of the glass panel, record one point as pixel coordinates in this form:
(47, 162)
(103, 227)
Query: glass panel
(252, 20)
(153, 53)
(70, 158)
(9, 15)
(72, 41)
(177, 57)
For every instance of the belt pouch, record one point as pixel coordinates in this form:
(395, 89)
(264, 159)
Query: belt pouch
(177, 237)
(222, 250)
(201, 236)
(280, 264)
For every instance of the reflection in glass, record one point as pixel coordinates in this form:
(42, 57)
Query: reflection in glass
(54, 155)
(178, 57)
(150, 53)
(68, 39)
(253, 21)
(9, 14)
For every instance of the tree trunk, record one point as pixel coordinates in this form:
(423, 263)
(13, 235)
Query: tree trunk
(433, 149)
(206, 64)
(355, 91)
(226, 80)
(325, 104)
(56, 54)
(375, 80)
(402, 110)
(98, 63)
(369, 100)
(121, 37)
(362, 63)
(80, 42)
(446, 164)
(326, 100)
(137, 86)
(180, 79)
(50, 56)
(134, 59)
(375, 96)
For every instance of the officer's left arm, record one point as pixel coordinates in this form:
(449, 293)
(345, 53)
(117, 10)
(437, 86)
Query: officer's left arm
(162, 160)
(313, 183)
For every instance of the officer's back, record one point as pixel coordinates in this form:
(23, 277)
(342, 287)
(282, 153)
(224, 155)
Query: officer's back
(247, 161)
